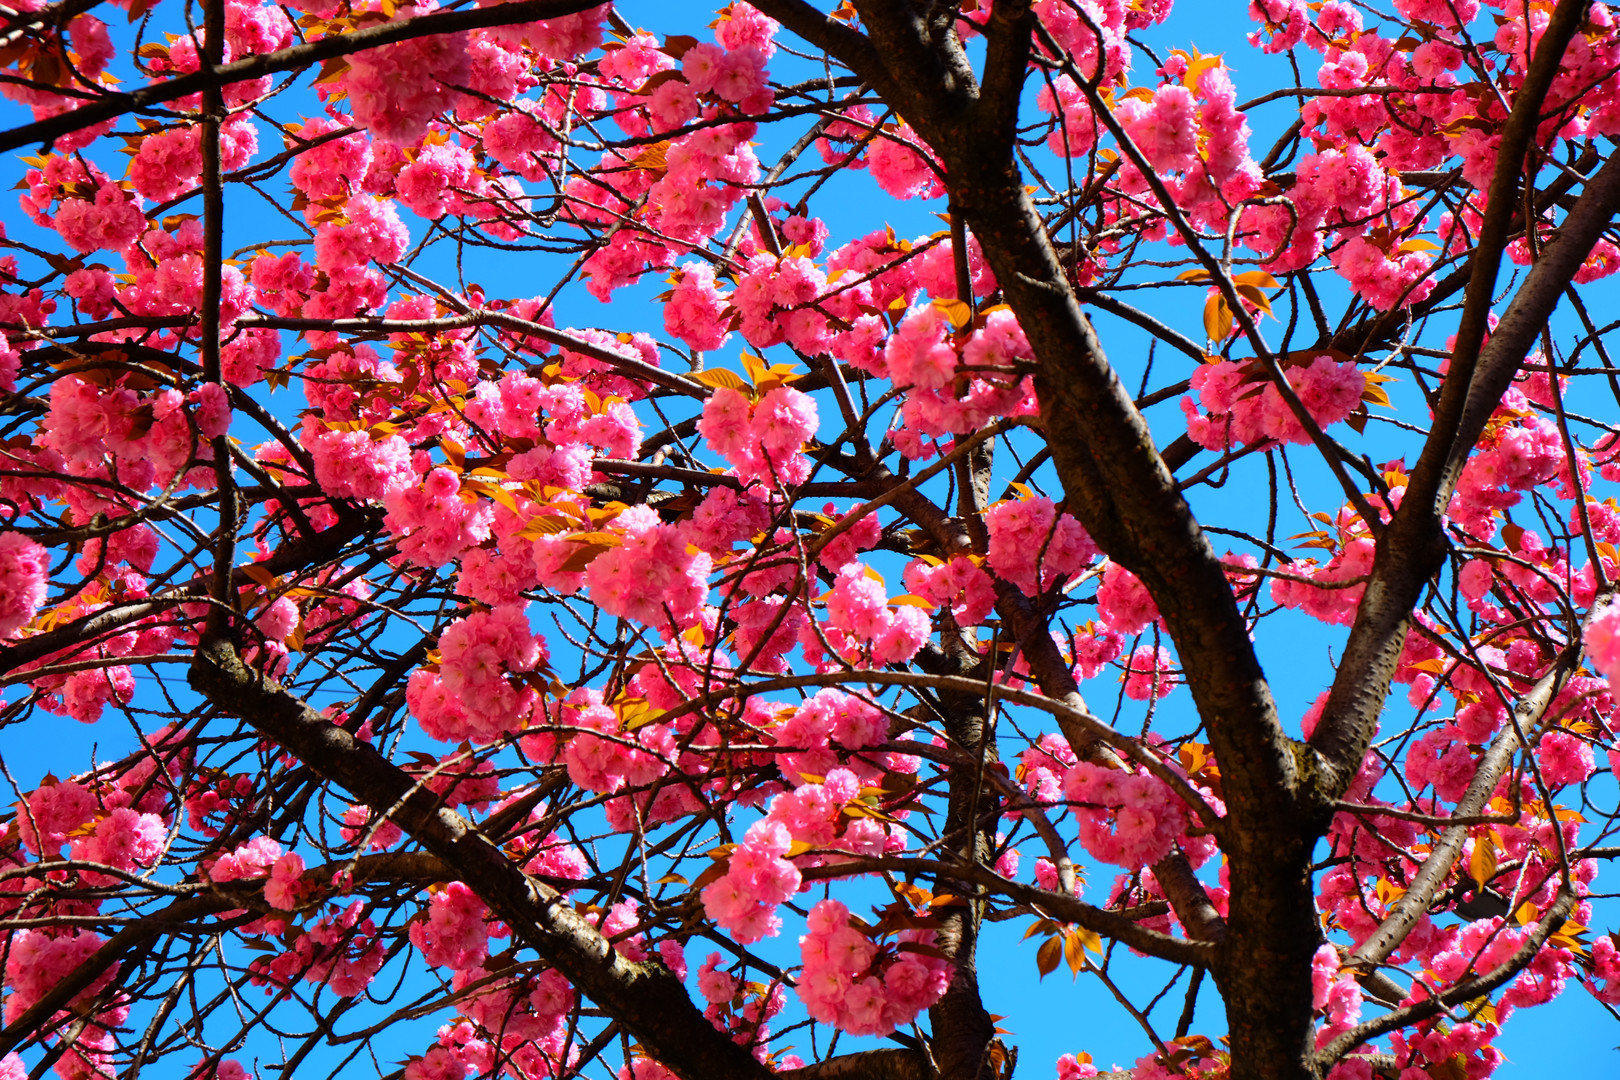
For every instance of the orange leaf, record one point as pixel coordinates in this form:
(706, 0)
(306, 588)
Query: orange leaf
(1217, 318)
(958, 311)
(1051, 952)
(1482, 864)
(720, 379)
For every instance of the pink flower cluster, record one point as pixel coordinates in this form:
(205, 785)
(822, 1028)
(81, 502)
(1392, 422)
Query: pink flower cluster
(1516, 457)
(1602, 639)
(1070, 1067)
(960, 586)
(476, 692)
(454, 934)
(761, 440)
(457, 1054)
(395, 90)
(351, 464)
(1334, 994)
(1044, 765)
(1124, 602)
(1034, 547)
(758, 878)
(1164, 128)
(858, 609)
(1605, 970)
(250, 860)
(806, 741)
(1095, 647)
(858, 986)
(613, 759)
(1383, 277)
(651, 576)
(776, 300)
(432, 523)
(109, 219)
(1564, 758)
(169, 162)
(524, 1019)
(1346, 572)
(1128, 819)
(47, 815)
(1240, 407)
(696, 309)
(1442, 759)
(944, 399)
(759, 875)
(24, 572)
(37, 960)
(285, 889)
(341, 950)
(1148, 673)
(151, 436)
(1075, 132)
(125, 839)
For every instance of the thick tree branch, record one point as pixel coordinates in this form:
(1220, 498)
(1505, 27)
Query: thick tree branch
(886, 1064)
(1006, 64)
(1501, 204)
(1412, 548)
(645, 998)
(1467, 990)
(1413, 904)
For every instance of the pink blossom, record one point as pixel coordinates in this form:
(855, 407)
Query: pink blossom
(899, 168)
(125, 839)
(1564, 758)
(859, 606)
(696, 306)
(454, 933)
(37, 960)
(369, 230)
(24, 570)
(251, 860)
(354, 465)
(1165, 129)
(761, 441)
(431, 522)
(917, 354)
(431, 185)
(841, 985)
(1602, 638)
(1028, 536)
(960, 585)
(286, 882)
(395, 90)
(46, 816)
(1124, 601)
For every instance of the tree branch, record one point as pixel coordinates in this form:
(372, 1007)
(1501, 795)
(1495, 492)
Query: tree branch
(1467, 990)
(644, 997)
(1412, 547)
(47, 131)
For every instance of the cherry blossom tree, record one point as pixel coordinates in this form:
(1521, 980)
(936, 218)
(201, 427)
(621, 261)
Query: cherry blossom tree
(512, 679)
